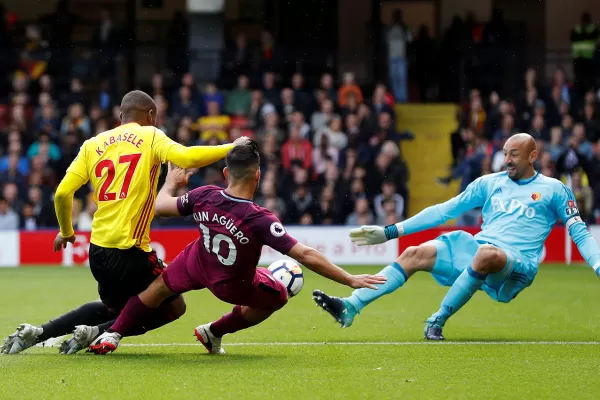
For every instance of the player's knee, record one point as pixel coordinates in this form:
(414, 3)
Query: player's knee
(178, 307)
(417, 258)
(489, 259)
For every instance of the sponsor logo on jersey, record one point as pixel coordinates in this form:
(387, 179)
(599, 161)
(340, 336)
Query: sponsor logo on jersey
(497, 191)
(512, 206)
(277, 229)
(536, 196)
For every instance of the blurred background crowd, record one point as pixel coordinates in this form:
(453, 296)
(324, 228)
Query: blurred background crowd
(331, 152)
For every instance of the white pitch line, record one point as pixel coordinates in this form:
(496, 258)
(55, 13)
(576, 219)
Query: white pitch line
(445, 343)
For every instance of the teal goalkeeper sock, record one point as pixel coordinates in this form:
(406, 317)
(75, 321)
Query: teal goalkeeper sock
(465, 286)
(396, 276)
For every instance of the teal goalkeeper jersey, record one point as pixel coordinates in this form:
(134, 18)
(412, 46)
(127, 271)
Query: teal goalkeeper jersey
(516, 214)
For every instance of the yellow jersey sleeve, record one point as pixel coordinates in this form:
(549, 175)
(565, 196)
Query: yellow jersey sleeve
(79, 164)
(196, 156)
(161, 144)
(166, 149)
(63, 201)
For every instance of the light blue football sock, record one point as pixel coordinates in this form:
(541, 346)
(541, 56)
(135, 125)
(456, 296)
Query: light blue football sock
(396, 276)
(465, 286)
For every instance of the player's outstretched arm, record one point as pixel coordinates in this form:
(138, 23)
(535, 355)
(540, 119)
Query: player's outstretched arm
(166, 202)
(63, 206)
(199, 156)
(472, 197)
(565, 206)
(317, 262)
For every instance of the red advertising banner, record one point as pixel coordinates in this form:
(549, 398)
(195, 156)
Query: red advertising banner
(36, 247)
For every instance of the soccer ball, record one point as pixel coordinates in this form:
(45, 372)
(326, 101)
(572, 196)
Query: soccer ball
(290, 274)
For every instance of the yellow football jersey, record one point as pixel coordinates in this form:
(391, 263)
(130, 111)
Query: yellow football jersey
(123, 165)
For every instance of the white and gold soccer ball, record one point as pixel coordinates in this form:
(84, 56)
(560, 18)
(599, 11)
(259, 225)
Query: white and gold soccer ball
(290, 274)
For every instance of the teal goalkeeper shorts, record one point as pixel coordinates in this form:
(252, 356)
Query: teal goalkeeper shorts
(455, 252)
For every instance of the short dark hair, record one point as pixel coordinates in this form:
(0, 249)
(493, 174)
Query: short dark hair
(243, 160)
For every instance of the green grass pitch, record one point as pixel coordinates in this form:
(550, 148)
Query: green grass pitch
(545, 344)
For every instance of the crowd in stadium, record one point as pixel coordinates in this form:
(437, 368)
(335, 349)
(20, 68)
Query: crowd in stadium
(330, 150)
(318, 144)
(563, 120)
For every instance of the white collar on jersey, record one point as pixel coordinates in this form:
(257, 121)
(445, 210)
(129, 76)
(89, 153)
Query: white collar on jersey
(234, 198)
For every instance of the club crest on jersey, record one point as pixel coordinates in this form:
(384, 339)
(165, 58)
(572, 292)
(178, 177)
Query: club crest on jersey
(536, 196)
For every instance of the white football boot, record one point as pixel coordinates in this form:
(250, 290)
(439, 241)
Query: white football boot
(210, 341)
(24, 337)
(83, 336)
(105, 343)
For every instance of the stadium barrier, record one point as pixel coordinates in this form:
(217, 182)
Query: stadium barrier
(20, 248)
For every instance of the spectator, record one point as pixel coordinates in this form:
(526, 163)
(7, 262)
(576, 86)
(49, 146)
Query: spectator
(76, 119)
(10, 193)
(380, 102)
(9, 220)
(297, 122)
(75, 95)
(270, 129)
(163, 121)
(321, 118)
(239, 100)
(268, 56)
(353, 132)
(45, 147)
(47, 121)
(326, 85)
(212, 94)
(185, 106)
(591, 122)
(425, 63)
(323, 153)
(214, 124)
(27, 219)
(507, 130)
(107, 42)
(335, 137)
(296, 149)
(349, 88)
(362, 214)
(269, 89)
(301, 97)
(388, 194)
(398, 36)
(538, 128)
(301, 202)
(288, 106)
(239, 58)
(584, 146)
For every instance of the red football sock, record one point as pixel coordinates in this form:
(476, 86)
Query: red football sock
(135, 313)
(229, 323)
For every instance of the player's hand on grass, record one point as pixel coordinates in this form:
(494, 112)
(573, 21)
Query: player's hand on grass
(366, 281)
(61, 242)
(176, 175)
(367, 235)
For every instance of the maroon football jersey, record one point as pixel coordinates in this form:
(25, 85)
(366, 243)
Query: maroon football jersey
(232, 233)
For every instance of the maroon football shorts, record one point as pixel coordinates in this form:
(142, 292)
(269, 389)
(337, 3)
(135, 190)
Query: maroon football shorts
(263, 292)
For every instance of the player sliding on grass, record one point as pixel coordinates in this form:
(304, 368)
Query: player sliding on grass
(520, 206)
(123, 165)
(224, 258)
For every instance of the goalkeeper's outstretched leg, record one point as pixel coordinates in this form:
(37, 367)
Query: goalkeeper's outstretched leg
(413, 259)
